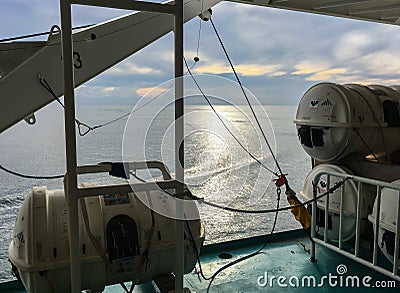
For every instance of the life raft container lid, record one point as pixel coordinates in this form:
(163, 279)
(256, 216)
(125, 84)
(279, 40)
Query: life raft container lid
(334, 105)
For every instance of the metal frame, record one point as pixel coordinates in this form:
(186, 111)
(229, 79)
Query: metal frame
(72, 191)
(382, 11)
(355, 256)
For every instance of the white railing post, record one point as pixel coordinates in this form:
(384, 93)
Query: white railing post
(71, 179)
(314, 218)
(341, 215)
(358, 219)
(397, 234)
(376, 230)
(179, 145)
(326, 215)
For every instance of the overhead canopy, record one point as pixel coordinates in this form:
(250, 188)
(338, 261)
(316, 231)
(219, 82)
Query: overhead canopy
(384, 11)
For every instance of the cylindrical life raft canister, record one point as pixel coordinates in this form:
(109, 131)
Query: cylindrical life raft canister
(335, 120)
(334, 203)
(134, 243)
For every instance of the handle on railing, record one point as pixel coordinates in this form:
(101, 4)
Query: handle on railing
(121, 169)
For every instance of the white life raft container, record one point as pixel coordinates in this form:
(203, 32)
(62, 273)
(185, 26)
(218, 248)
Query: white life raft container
(136, 244)
(334, 207)
(387, 220)
(335, 120)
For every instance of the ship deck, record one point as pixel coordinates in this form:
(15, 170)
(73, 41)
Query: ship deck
(283, 264)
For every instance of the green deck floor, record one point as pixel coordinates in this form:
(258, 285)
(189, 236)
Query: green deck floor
(285, 257)
(289, 261)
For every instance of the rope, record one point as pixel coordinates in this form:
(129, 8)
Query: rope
(89, 128)
(38, 34)
(201, 200)
(245, 95)
(99, 249)
(98, 36)
(224, 124)
(365, 144)
(277, 210)
(198, 39)
(214, 275)
(251, 254)
(30, 176)
(85, 128)
(111, 121)
(233, 262)
(374, 115)
(375, 119)
(82, 131)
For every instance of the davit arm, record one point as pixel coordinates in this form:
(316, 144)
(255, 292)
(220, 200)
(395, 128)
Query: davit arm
(96, 49)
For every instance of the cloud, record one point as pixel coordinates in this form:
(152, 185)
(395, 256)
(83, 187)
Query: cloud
(353, 45)
(128, 68)
(278, 73)
(358, 79)
(242, 69)
(318, 71)
(310, 67)
(381, 63)
(94, 91)
(151, 91)
(108, 89)
(330, 74)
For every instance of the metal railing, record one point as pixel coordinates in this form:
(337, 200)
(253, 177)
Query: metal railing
(377, 223)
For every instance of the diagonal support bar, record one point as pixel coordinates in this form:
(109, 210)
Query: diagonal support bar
(129, 5)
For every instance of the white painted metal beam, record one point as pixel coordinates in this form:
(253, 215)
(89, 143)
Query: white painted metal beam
(129, 5)
(123, 36)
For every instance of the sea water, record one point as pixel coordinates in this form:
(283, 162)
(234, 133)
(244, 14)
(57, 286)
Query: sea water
(216, 166)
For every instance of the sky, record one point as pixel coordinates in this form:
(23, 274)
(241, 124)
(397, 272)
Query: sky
(278, 54)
